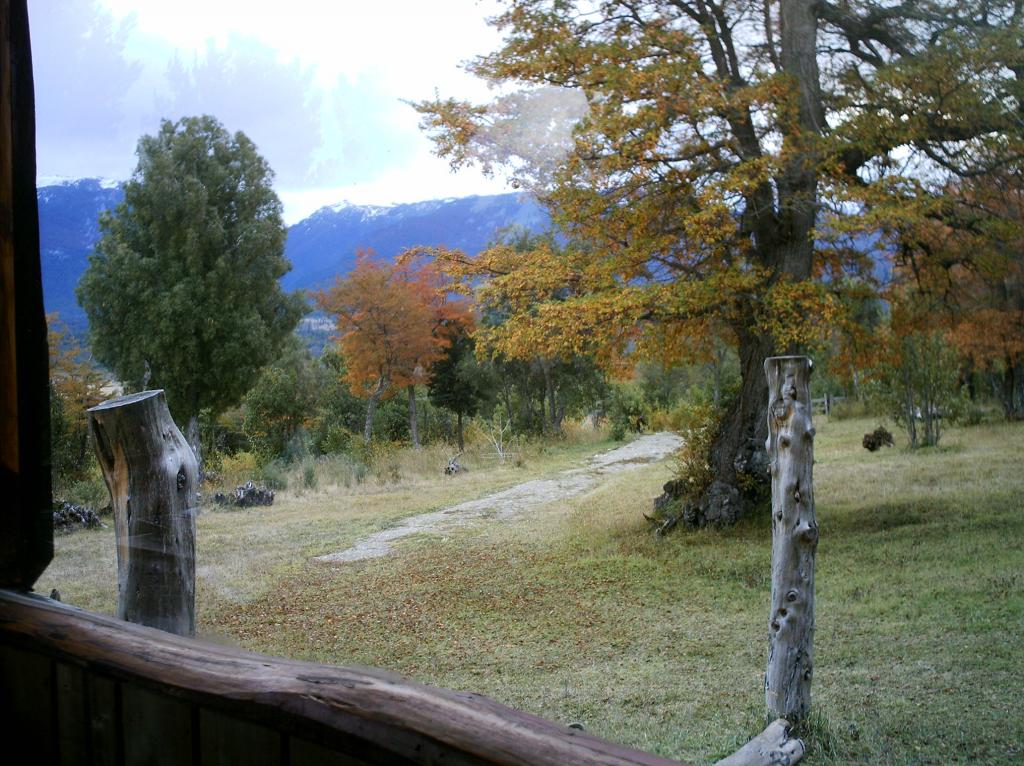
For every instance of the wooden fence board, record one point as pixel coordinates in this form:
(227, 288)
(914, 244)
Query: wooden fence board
(368, 714)
(26, 703)
(157, 728)
(104, 703)
(226, 741)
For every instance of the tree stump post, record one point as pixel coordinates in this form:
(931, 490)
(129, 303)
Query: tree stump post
(790, 445)
(153, 478)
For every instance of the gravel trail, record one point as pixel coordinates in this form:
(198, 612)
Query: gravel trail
(515, 500)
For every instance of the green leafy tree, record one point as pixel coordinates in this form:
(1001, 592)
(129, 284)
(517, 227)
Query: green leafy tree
(459, 382)
(283, 399)
(339, 414)
(182, 288)
(917, 383)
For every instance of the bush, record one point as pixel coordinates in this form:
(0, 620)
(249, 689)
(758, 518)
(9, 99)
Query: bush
(339, 469)
(391, 420)
(698, 424)
(298, 448)
(274, 474)
(238, 468)
(585, 431)
(850, 408)
(90, 491)
(964, 412)
(626, 411)
(917, 384)
(331, 438)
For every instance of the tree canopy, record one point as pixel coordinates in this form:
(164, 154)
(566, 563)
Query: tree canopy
(182, 288)
(727, 157)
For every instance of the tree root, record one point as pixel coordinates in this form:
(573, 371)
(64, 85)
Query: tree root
(772, 747)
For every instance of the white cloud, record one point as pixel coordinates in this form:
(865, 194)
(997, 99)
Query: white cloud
(412, 45)
(355, 139)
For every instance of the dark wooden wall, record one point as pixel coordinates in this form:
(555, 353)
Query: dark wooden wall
(26, 516)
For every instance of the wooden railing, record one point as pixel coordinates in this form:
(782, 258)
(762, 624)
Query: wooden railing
(82, 688)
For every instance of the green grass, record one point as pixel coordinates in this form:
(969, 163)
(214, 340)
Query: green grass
(578, 613)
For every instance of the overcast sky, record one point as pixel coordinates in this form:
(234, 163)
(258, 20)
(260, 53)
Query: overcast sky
(318, 87)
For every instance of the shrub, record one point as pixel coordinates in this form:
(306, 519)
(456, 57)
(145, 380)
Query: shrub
(274, 474)
(626, 411)
(849, 409)
(238, 468)
(332, 438)
(583, 431)
(90, 491)
(698, 424)
(298, 448)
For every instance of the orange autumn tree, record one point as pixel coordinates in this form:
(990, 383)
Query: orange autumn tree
(954, 302)
(391, 320)
(986, 272)
(75, 385)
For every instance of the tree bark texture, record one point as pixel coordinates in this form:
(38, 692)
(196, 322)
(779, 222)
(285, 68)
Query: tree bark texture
(739, 446)
(414, 425)
(194, 439)
(550, 422)
(153, 477)
(772, 747)
(790, 447)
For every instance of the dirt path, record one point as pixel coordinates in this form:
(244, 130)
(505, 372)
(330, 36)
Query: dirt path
(517, 500)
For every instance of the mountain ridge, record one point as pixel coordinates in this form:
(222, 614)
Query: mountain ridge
(319, 247)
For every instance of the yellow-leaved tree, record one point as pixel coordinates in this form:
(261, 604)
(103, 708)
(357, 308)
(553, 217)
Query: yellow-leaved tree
(710, 155)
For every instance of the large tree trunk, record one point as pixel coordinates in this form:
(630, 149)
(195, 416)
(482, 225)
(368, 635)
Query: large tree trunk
(462, 441)
(738, 448)
(153, 478)
(787, 683)
(414, 424)
(781, 233)
(1013, 405)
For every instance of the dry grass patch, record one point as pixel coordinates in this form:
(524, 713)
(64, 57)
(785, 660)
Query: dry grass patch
(577, 613)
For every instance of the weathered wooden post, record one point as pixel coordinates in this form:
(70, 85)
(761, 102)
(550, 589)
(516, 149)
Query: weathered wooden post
(787, 683)
(153, 478)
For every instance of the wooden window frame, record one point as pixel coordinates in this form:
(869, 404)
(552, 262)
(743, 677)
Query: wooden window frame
(78, 687)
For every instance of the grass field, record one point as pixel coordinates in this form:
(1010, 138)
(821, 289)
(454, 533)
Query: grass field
(577, 613)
